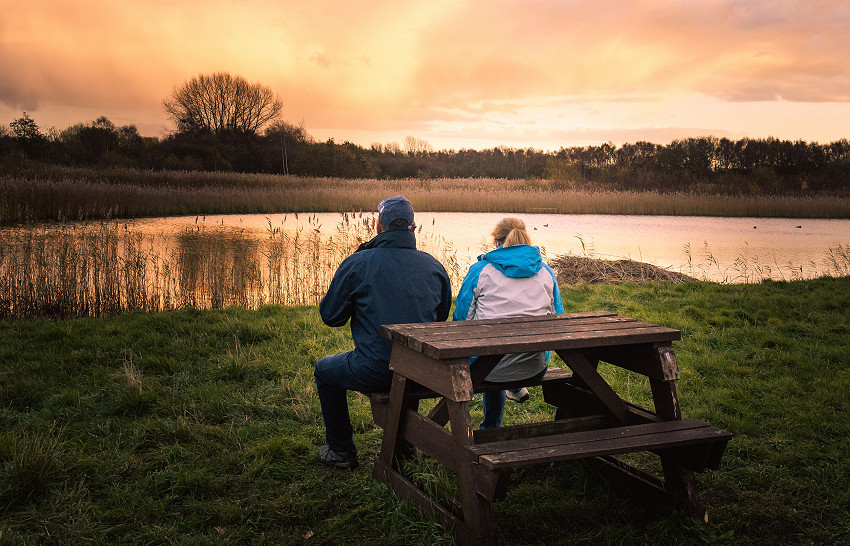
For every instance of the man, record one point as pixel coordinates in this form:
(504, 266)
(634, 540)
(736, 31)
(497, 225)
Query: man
(386, 281)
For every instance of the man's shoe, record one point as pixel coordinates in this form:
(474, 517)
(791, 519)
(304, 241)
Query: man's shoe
(346, 460)
(520, 395)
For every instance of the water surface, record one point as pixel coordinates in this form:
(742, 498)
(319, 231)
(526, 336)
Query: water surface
(722, 249)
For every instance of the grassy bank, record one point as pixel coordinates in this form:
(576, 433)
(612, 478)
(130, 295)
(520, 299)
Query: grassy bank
(78, 194)
(202, 426)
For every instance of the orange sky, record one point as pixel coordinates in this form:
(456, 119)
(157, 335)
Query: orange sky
(473, 74)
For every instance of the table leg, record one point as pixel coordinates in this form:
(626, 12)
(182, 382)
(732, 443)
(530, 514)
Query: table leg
(394, 421)
(678, 480)
(477, 512)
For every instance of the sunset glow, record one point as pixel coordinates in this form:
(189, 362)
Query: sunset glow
(458, 74)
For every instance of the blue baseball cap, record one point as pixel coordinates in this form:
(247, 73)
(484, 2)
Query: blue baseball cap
(395, 213)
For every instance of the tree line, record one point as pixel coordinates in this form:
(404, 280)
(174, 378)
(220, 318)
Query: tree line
(224, 123)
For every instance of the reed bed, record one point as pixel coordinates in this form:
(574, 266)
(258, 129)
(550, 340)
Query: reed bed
(67, 194)
(102, 268)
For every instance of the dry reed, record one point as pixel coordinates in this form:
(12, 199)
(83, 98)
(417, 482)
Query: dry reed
(591, 269)
(576, 269)
(82, 195)
(101, 268)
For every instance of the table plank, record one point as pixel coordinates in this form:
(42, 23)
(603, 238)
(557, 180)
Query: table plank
(553, 341)
(436, 329)
(565, 316)
(462, 337)
(520, 334)
(463, 330)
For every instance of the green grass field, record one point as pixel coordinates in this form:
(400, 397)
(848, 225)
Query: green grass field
(201, 427)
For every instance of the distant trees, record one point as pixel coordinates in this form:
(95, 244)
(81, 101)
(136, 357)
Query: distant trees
(25, 128)
(416, 146)
(221, 102)
(291, 140)
(704, 164)
(102, 144)
(25, 137)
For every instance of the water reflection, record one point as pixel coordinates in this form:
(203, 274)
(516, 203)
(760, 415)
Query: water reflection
(218, 261)
(710, 248)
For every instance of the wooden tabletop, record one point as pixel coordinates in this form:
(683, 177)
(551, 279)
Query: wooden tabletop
(442, 340)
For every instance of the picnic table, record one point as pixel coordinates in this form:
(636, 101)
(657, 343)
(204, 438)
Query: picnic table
(592, 421)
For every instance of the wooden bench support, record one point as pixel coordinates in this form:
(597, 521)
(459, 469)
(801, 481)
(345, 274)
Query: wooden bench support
(683, 445)
(592, 422)
(439, 414)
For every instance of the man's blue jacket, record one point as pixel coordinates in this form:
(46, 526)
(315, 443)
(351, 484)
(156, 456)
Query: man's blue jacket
(386, 281)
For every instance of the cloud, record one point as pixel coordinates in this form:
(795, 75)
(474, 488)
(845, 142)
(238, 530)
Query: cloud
(402, 66)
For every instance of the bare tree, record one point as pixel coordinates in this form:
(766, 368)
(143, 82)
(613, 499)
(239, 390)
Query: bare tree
(220, 102)
(416, 146)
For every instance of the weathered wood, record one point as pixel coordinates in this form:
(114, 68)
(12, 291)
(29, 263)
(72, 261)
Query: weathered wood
(665, 398)
(393, 421)
(389, 330)
(541, 341)
(679, 481)
(525, 334)
(656, 361)
(431, 439)
(534, 430)
(483, 329)
(476, 508)
(553, 374)
(592, 421)
(590, 377)
(662, 435)
(571, 401)
(440, 413)
(450, 378)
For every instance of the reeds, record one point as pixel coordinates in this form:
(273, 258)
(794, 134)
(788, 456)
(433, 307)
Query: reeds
(747, 268)
(101, 268)
(85, 195)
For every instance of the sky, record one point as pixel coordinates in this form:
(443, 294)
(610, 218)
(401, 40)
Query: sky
(476, 74)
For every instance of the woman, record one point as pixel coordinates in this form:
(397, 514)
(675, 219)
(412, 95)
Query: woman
(511, 281)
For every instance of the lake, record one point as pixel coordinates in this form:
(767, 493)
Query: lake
(719, 249)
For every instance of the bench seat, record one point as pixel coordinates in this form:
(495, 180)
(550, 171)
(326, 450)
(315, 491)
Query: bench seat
(685, 439)
(381, 400)
(552, 374)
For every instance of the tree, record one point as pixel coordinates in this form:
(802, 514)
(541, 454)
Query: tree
(291, 140)
(416, 146)
(28, 138)
(219, 103)
(25, 128)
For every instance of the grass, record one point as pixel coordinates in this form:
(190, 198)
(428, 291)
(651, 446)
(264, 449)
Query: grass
(201, 427)
(84, 194)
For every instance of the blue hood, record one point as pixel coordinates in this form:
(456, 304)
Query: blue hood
(516, 261)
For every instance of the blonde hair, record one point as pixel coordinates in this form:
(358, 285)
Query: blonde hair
(511, 231)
